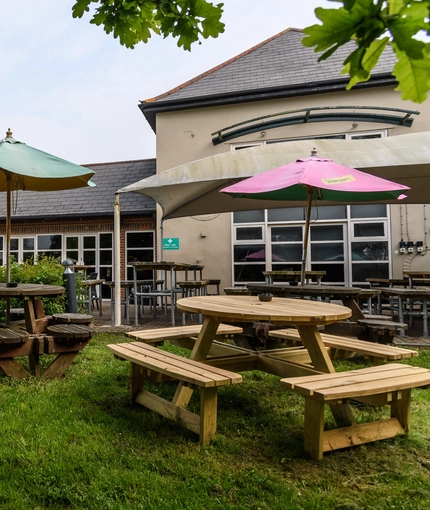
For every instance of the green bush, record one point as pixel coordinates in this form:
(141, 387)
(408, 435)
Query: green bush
(47, 271)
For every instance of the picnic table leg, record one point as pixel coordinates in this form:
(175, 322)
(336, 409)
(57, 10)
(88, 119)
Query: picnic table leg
(199, 353)
(321, 361)
(351, 303)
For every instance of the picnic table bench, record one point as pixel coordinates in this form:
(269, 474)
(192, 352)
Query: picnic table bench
(344, 347)
(383, 385)
(159, 335)
(146, 360)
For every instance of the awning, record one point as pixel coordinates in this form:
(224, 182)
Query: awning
(193, 188)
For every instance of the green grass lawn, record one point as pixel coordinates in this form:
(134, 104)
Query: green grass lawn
(77, 443)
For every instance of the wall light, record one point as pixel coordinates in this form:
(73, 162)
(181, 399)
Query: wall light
(263, 133)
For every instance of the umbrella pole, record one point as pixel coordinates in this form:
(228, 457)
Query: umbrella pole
(306, 239)
(8, 232)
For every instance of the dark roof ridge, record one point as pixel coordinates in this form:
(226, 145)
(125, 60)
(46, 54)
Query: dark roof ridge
(220, 66)
(88, 165)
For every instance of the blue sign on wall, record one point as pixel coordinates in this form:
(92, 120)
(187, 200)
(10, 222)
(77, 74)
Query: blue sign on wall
(171, 243)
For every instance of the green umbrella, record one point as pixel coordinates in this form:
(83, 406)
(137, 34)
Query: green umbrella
(25, 168)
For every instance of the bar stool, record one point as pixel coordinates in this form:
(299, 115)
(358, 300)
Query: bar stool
(192, 288)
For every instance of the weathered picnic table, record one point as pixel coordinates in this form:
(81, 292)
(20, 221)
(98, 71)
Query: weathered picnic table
(32, 338)
(348, 295)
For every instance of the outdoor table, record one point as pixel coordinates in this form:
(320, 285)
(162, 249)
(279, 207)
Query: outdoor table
(347, 295)
(422, 295)
(303, 314)
(83, 267)
(294, 276)
(417, 277)
(31, 294)
(38, 340)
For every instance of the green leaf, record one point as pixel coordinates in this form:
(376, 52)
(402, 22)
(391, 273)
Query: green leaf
(361, 62)
(136, 21)
(80, 7)
(413, 76)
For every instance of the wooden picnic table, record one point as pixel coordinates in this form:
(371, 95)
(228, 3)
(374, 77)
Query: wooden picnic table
(305, 315)
(348, 295)
(31, 294)
(405, 303)
(33, 338)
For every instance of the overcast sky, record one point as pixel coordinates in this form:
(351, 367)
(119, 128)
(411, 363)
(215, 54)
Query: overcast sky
(73, 91)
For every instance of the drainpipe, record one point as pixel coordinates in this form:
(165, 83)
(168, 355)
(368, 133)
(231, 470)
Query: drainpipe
(117, 260)
(161, 237)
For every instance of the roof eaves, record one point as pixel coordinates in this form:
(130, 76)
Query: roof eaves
(150, 110)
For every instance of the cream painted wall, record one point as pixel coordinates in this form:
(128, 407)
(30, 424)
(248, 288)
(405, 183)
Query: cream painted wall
(412, 222)
(185, 136)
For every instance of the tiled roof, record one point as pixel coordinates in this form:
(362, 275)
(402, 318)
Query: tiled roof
(281, 62)
(94, 201)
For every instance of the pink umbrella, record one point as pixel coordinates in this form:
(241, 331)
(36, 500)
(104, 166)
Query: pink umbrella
(316, 178)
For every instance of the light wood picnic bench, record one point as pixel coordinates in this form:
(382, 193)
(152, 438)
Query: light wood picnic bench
(383, 385)
(159, 335)
(340, 347)
(146, 360)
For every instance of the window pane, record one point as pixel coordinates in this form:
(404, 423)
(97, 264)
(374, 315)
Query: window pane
(362, 271)
(286, 234)
(72, 243)
(287, 252)
(140, 239)
(28, 243)
(105, 257)
(49, 242)
(28, 257)
(14, 244)
(334, 272)
(249, 233)
(72, 255)
(249, 273)
(1, 242)
(327, 251)
(105, 240)
(368, 211)
(139, 256)
(89, 242)
(287, 214)
(248, 216)
(248, 252)
(327, 233)
(90, 258)
(370, 251)
(369, 230)
(332, 212)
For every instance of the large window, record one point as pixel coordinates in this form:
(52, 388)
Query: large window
(139, 248)
(349, 243)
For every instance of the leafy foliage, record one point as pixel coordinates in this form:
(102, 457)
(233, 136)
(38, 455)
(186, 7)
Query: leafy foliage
(373, 24)
(136, 21)
(47, 271)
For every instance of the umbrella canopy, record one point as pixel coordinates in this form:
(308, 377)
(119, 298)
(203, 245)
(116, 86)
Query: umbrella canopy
(316, 178)
(193, 188)
(24, 168)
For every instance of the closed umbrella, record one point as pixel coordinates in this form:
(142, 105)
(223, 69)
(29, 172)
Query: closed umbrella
(25, 168)
(314, 179)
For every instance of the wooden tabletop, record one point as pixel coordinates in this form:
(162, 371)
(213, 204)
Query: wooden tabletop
(31, 289)
(279, 310)
(405, 292)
